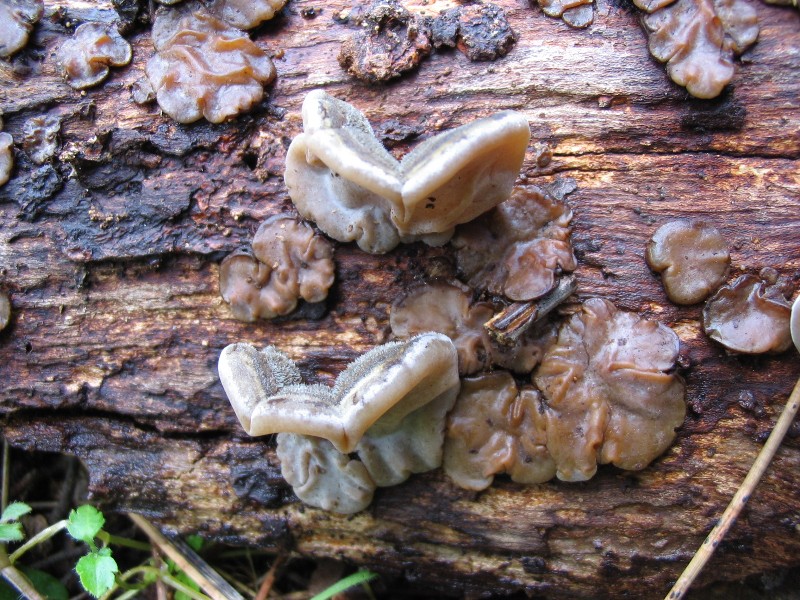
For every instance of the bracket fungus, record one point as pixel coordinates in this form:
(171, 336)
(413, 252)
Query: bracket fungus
(698, 39)
(203, 67)
(575, 13)
(6, 157)
(495, 428)
(40, 137)
(692, 257)
(246, 14)
(388, 407)
(289, 261)
(749, 315)
(341, 177)
(610, 394)
(446, 308)
(519, 248)
(86, 58)
(17, 18)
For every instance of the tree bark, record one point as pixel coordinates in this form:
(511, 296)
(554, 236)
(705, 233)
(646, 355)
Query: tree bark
(110, 254)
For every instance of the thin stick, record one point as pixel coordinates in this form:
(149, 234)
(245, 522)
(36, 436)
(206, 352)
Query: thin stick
(760, 465)
(269, 579)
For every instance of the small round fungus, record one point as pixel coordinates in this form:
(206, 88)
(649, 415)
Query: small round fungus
(40, 137)
(341, 177)
(575, 13)
(446, 309)
(692, 257)
(288, 262)
(203, 67)
(493, 429)
(6, 157)
(749, 315)
(610, 395)
(17, 18)
(519, 248)
(86, 57)
(484, 32)
(5, 310)
(245, 14)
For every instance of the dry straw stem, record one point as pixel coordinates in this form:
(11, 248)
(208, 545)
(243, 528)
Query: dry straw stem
(736, 505)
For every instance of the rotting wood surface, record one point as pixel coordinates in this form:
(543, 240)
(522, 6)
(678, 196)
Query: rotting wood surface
(110, 255)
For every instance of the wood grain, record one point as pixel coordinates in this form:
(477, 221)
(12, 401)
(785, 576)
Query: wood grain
(111, 252)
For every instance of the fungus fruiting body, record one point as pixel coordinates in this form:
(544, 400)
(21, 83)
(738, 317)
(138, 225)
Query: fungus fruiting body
(17, 18)
(575, 13)
(340, 176)
(518, 249)
(86, 58)
(697, 39)
(484, 32)
(288, 262)
(40, 137)
(750, 316)
(610, 395)
(388, 407)
(692, 257)
(6, 157)
(246, 14)
(5, 310)
(203, 67)
(495, 428)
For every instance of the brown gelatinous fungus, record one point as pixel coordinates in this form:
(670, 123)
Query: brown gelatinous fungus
(698, 39)
(5, 310)
(40, 137)
(203, 67)
(388, 407)
(518, 249)
(389, 42)
(484, 32)
(495, 428)
(17, 18)
(288, 262)
(6, 157)
(575, 13)
(610, 395)
(86, 58)
(245, 14)
(341, 177)
(750, 316)
(692, 257)
(446, 309)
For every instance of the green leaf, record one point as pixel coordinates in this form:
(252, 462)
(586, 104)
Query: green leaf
(47, 585)
(14, 511)
(11, 532)
(195, 542)
(188, 582)
(96, 571)
(357, 578)
(84, 523)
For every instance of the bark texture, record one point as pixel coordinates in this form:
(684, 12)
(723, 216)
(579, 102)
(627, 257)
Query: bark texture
(110, 254)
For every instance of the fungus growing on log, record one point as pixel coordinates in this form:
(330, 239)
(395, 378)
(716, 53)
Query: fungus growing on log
(341, 177)
(692, 257)
(86, 58)
(245, 14)
(389, 41)
(575, 13)
(518, 249)
(445, 308)
(40, 137)
(288, 262)
(495, 428)
(610, 395)
(17, 18)
(698, 39)
(749, 315)
(388, 407)
(484, 32)
(203, 67)
(6, 157)
(5, 310)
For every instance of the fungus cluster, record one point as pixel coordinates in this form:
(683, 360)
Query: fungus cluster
(518, 249)
(245, 14)
(697, 39)
(340, 176)
(288, 262)
(692, 257)
(387, 408)
(40, 137)
(480, 31)
(204, 67)
(17, 18)
(445, 308)
(575, 13)
(86, 58)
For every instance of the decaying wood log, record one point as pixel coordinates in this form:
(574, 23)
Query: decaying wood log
(110, 254)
